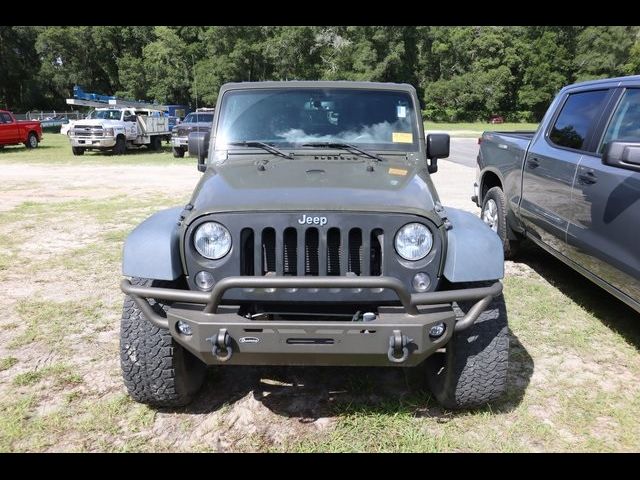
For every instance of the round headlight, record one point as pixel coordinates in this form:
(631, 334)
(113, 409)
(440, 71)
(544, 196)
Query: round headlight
(212, 240)
(413, 241)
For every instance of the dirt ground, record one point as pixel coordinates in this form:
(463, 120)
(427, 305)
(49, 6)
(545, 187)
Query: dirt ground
(573, 369)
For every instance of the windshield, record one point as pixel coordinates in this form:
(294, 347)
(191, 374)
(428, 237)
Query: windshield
(199, 118)
(371, 119)
(106, 114)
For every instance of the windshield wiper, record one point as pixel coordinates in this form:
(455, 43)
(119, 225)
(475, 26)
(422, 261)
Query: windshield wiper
(264, 146)
(344, 146)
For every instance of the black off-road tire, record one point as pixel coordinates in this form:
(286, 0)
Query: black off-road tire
(120, 148)
(178, 152)
(77, 150)
(496, 195)
(156, 370)
(32, 140)
(155, 144)
(473, 370)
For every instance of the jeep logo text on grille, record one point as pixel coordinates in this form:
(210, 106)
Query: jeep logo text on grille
(312, 220)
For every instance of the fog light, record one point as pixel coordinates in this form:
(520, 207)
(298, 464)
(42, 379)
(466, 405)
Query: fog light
(184, 328)
(421, 282)
(204, 280)
(437, 330)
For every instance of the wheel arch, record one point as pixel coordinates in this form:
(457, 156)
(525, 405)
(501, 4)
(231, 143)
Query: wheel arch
(490, 178)
(34, 133)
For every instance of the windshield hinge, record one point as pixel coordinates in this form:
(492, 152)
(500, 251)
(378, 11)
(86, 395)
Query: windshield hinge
(187, 208)
(442, 213)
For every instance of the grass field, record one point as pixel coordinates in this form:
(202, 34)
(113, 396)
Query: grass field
(475, 129)
(55, 148)
(573, 373)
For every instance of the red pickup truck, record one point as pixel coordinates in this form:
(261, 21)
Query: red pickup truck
(13, 132)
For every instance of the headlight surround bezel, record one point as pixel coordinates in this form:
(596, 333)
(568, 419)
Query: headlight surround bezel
(209, 225)
(398, 249)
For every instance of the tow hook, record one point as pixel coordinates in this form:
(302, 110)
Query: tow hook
(221, 342)
(398, 347)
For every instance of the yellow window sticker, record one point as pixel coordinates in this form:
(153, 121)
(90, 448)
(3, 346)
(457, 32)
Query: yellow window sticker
(397, 171)
(401, 137)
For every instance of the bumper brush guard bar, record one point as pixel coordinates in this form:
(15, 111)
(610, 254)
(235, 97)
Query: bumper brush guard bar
(211, 300)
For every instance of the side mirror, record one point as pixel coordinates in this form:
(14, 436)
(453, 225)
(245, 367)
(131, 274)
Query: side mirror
(130, 118)
(199, 148)
(622, 155)
(437, 147)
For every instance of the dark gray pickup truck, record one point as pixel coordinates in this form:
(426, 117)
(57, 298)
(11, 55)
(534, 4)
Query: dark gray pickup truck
(573, 185)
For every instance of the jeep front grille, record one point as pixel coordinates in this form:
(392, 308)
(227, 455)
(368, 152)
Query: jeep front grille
(311, 251)
(278, 243)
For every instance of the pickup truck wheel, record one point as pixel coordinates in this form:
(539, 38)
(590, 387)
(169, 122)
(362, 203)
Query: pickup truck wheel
(178, 152)
(156, 143)
(32, 141)
(494, 214)
(77, 150)
(156, 370)
(473, 369)
(120, 147)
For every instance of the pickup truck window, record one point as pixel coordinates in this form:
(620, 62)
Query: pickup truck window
(576, 118)
(5, 118)
(107, 114)
(625, 123)
(199, 118)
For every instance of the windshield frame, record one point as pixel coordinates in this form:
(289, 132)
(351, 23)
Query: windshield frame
(417, 148)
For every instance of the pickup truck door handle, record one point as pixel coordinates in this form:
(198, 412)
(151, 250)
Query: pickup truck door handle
(533, 163)
(588, 178)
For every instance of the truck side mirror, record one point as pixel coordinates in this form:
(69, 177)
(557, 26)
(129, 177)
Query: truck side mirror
(199, 148)
(130, 118)
(622, 155)
(437, 147)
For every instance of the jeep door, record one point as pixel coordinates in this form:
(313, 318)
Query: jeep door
(603, 232)
(551, 163)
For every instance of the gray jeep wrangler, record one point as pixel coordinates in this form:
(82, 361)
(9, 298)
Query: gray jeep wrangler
(315, 237)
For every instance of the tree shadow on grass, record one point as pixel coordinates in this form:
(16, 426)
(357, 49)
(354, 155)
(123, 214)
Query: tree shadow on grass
(613, 313)
(309, 393)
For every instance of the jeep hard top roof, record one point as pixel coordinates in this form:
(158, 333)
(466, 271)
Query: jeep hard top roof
(318, 84)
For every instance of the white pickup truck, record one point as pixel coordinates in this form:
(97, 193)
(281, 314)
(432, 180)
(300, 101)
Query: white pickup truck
(119, 128)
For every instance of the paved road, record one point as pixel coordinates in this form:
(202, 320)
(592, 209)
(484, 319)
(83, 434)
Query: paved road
(464, 151)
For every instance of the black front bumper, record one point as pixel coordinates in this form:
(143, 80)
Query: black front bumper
(397, 336)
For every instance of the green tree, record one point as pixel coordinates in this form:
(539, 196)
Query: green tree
(464, 72)
(293, 53)
(632, 67)
(19, 64)
(478, 70)
(548, 57)
(603, 51)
